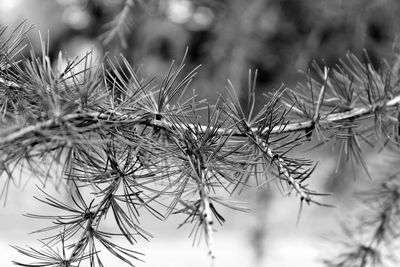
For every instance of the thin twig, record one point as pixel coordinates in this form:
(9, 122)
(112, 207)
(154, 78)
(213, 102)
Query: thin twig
(321, 95)
(208, 225)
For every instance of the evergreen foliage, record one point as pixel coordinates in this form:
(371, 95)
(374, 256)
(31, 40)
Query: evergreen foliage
(137, 146)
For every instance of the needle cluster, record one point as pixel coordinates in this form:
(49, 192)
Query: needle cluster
(140, 147)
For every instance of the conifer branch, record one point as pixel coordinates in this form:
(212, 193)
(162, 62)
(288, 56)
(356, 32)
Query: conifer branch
(208, 223)
(371, 241)
(117, 117)
(120, 26)
(150, 146)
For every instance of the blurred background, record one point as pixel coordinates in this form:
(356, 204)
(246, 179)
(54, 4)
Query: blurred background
(280, 38)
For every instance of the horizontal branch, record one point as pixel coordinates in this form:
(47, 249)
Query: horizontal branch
(120, 118)
(334, 117)
(13, 136)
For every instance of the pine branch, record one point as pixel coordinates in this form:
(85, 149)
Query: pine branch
(371, 240)
(121, 25)
(139, 143)
(117, 117)
(208, 226)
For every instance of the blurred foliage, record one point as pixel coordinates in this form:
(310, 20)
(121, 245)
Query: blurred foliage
(225, 37)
